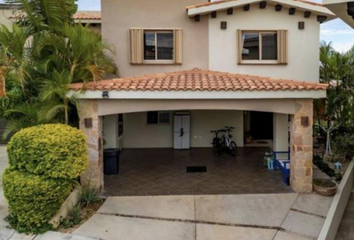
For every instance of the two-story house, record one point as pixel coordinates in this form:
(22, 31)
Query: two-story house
(188, 67)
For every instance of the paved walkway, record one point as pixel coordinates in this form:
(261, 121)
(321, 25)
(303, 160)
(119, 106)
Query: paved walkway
(209, 217)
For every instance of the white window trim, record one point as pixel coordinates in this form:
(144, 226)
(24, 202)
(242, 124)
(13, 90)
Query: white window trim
(260, 61)
(157, 61)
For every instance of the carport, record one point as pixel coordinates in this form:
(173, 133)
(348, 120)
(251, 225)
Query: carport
(201, 90)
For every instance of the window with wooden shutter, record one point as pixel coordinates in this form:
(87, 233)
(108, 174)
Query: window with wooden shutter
(136, 38)
(282, 46)
(262, 46)
(150, 46)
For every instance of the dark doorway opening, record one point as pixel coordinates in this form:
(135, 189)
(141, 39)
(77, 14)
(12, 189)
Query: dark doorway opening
(261, 125)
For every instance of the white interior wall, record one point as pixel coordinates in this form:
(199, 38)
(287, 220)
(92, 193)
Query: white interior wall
(281, 132)
(137, 134)
(110, 131)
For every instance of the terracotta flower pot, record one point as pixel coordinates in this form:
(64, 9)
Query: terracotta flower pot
(321, 186)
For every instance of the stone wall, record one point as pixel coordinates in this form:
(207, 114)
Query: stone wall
(94, 174)
(302, 147)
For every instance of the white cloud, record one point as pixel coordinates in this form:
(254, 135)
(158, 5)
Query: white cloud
(333, 32)
(342, 47)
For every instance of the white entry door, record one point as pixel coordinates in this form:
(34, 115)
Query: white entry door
(182, 135)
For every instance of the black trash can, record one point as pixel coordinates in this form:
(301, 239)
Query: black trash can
(111, 161)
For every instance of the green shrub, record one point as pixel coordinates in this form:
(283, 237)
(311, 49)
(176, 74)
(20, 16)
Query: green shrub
(33, 199)
(54, 150)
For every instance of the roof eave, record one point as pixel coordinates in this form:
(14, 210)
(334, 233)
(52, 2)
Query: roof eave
(339, 7)
(194, 95)
(202, 10)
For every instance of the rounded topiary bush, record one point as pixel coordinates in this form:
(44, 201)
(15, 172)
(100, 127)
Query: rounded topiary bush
(54, 150)
(33, 199)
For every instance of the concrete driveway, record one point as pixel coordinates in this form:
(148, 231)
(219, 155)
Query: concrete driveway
(228, 217)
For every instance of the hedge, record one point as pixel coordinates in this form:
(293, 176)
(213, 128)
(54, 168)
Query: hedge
(33, 199)
(54, 150)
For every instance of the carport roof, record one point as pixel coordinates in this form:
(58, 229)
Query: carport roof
(198, 80)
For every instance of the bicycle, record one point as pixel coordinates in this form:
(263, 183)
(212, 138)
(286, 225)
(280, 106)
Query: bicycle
(224, 142)
(227, 142)
(217, 141)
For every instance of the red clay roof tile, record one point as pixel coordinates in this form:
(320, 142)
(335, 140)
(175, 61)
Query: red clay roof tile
(87, 16)
(198, 80)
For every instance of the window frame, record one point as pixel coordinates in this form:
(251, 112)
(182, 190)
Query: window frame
(260, 61)
(158, 119)
(157, 61)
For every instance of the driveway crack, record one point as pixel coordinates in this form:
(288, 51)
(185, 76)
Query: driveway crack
(193, 221)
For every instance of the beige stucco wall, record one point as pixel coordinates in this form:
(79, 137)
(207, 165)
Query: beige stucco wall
(137, 134)
(303, 45)
(109, 107)
(5, 15)
(120, 15)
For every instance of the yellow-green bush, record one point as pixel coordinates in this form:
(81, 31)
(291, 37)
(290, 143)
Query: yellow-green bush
(54, 150)
(33, 199)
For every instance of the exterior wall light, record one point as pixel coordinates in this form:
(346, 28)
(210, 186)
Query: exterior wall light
(105, 94)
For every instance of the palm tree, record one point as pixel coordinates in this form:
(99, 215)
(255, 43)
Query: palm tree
(44, 53)
(337, 70)
(55, 93)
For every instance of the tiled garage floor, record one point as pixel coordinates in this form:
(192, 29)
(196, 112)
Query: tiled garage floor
(163, 172)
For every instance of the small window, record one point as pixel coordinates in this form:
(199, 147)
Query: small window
(158, 45)
(259, 47)
(154, 118)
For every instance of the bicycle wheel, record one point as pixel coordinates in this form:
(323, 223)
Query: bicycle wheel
(233, 149)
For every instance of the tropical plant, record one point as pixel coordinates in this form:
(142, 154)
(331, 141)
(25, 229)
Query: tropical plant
(337, 70)
(89, 195)
(40, 56)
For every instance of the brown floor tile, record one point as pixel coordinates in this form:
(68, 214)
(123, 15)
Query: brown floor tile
(163, 172)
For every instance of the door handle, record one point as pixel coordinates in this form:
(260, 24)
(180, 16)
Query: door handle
(182, 132)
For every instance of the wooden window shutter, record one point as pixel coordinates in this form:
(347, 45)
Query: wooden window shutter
(136, 38)
(282, 46)
(178, 46)
(239, 46)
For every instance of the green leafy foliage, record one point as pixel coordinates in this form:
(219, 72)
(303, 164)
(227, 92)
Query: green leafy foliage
(40, 56)
(44, 162)
(74, 218)
(337, 71)
(53, 150)
(33, 199)
(344, 145)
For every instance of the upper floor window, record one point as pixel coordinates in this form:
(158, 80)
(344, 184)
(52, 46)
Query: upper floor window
(151, 46)
(262, 47)
(158, 45)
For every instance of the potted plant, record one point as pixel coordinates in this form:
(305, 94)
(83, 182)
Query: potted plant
(325, 187)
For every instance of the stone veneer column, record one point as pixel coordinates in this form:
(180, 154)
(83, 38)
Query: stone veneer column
(88, 109)
(302, 147)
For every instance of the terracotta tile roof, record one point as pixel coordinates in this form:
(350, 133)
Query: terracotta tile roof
(223, 1)
(198, 80)
(87, 16)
